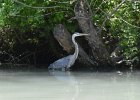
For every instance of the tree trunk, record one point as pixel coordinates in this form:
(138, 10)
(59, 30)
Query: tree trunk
(83, 16)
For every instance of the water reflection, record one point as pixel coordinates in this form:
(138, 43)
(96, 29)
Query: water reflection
(70, 82)
(57, 85)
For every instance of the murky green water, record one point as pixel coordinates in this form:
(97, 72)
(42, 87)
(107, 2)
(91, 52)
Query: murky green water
(69, 86)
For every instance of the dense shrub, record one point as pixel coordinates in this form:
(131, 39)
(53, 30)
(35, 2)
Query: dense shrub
(32, 22)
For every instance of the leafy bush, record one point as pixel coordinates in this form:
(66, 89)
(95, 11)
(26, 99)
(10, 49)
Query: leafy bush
(30, 21)
(121, 20)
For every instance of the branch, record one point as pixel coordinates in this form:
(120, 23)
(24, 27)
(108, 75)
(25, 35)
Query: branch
(34, 7)
(100, 6)
(110, 15)
(38, 16)
(129, 23)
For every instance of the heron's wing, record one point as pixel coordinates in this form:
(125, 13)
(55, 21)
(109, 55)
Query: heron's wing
(61, 63)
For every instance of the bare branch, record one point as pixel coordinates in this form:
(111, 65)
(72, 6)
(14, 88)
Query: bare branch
(34, 7)
(129, 23)
(39, 15)
(100, 6)
(112, 13)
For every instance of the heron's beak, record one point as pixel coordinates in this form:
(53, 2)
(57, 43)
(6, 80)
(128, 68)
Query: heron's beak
(84, 34)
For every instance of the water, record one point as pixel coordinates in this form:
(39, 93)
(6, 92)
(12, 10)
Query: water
(69, 86)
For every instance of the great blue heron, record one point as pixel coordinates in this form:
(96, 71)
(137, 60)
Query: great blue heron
(66, 62)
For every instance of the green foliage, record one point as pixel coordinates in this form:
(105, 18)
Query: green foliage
(122, 23)
(30, 21)
(30, 14)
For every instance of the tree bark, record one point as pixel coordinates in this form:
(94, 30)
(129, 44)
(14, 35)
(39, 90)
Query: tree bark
(83, 16)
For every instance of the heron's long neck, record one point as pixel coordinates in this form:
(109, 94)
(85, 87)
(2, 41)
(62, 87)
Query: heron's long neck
(76, 47)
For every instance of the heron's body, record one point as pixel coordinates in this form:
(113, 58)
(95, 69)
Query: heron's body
(61, 63)
(67, 61)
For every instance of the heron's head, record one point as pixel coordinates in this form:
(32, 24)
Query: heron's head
(79, 34)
